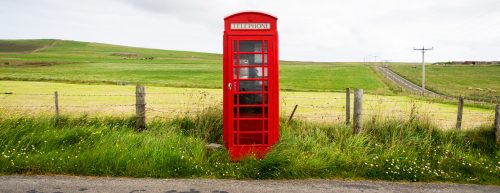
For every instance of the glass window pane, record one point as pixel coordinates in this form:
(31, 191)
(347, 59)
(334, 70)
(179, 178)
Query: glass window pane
(258, 59)
(250, 85)
(250, 46)
(253, 72)
(252, 59)
(251, 99)
(265, 46)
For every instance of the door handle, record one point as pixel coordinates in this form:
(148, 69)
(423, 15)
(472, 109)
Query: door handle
(229, 86)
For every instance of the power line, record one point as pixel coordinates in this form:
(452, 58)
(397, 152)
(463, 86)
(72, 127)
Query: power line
(423, 50)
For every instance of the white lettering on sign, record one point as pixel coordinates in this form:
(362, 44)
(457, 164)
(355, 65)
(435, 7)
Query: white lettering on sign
(251, 26)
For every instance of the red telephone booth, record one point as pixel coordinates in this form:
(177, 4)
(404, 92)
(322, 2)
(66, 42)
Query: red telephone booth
(250, 84)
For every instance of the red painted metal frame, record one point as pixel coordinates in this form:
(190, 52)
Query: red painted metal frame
(238, 151)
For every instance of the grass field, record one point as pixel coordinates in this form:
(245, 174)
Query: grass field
(404, 138)
(83, 62)
(473, 82)
(168, 102)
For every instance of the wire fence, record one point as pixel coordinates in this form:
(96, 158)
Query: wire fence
(316, 107)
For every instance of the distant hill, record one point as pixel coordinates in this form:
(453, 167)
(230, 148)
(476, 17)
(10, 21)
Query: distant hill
(86, 62)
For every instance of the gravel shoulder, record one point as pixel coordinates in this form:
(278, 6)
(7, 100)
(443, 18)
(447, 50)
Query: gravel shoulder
(40, 183)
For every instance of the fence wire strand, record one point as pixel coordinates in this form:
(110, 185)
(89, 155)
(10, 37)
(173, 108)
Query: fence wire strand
(322, 108)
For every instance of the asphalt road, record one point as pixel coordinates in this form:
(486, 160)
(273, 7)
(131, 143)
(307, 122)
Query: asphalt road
(402, 82)
(59, 184)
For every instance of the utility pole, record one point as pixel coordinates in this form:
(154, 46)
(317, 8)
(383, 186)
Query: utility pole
(423, 50)
(385, 62)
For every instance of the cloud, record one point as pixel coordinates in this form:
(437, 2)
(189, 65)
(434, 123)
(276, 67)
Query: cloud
(320, 30)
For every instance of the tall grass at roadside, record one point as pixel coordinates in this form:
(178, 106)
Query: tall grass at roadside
(408, 150)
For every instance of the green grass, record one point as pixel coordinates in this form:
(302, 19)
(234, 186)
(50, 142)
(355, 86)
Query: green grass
(329, 77)
(408, 150)
(83, 62)
(474, 82)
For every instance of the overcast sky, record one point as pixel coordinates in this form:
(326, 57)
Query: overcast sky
(320, 30)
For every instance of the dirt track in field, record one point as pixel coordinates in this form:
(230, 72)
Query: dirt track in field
(405, 84)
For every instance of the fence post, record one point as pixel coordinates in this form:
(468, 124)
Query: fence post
(347, 106)
(358, 111)
(293, 112)
(497, 123)
(56, 100)
(459, 112)
(140, 108)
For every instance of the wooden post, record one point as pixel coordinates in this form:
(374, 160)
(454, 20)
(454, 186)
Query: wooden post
(358, 111)
(140, 107)
(497, 123)
(293, 112)
(347, 106)
(459, 112)
(56, 100)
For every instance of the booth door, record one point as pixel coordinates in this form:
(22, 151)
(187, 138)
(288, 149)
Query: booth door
(249, 88)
